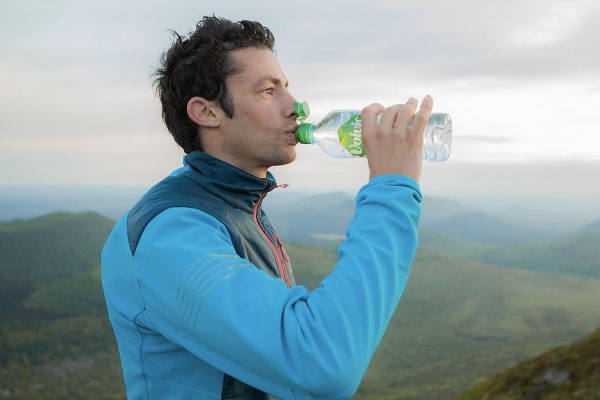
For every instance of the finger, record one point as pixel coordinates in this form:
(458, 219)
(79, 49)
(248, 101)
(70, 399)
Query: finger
(426, 104)
(405, 114)
(388, 119)
(422, 117)
(369, 115)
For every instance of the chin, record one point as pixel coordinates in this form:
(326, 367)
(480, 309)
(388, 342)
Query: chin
(286, 158)
(292, 156)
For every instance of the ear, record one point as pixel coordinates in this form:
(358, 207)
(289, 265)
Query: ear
(203, 112)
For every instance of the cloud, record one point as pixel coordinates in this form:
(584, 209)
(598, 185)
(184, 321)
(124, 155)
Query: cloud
(555, 23)
(440, 40)
(435, 38)
(75, 76)
(482, 139)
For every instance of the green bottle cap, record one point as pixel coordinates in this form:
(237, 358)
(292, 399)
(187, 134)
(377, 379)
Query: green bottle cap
(301, 110)
(304, 133)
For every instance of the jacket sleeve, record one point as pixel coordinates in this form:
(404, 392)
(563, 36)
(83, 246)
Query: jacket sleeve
(288, 342)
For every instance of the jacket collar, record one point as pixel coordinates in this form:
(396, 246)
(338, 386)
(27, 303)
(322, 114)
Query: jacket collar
(236, 187)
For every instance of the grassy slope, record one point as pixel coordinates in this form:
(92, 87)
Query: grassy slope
(452, 244)
(568, 372)
(577, 254)
(48, 246)
(460, 320)
(55, 339)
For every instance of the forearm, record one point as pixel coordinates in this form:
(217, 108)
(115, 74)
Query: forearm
(348, 314)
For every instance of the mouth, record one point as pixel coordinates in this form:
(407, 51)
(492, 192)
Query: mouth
(291, 133)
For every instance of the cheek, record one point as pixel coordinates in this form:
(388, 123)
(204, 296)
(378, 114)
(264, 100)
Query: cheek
(255, 122)
(264, 122)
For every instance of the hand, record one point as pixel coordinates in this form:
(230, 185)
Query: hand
(394, 147)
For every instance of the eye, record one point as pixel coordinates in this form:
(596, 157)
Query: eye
(270, 91)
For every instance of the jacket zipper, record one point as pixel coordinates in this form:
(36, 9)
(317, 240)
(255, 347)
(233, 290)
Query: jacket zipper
(286, 259)
(282, 272)
(280, 246)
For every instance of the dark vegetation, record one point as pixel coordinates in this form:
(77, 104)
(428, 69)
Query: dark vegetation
(459, 320)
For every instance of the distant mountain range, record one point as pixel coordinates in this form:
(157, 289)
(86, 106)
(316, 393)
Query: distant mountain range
(318, 219)
(578, 254)
(485, 228)
(113, 201)
(31, 202)
(437, 209)
(447, 225)
(323, 219)
(592, 228)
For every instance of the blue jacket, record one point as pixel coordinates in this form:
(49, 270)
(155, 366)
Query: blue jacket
(202, 301)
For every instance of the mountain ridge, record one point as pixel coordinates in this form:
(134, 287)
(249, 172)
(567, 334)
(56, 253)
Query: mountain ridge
(577, 254)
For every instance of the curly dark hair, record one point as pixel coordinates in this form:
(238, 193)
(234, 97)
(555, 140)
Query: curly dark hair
(197, 65)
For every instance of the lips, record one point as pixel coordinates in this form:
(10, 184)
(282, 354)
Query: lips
(291, 133)
(292, 129)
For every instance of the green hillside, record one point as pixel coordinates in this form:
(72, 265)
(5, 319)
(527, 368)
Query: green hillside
(578, 255)
(459, 320)
(489, 229)
(45, 248)
(568, 372)
(55, 339)
(452, 244)
(593, 228)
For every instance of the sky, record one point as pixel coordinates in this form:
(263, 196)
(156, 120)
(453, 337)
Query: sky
(520, 80)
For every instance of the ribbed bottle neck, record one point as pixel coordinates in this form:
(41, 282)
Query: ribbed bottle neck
(305, 133)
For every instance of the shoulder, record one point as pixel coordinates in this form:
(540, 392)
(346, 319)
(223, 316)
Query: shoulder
(175, 191)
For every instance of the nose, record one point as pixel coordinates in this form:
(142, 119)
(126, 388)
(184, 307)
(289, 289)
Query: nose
(289, 110)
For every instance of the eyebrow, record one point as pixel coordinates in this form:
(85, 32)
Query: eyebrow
(271, 79)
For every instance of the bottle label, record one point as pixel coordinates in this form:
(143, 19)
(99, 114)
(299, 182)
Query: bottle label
(350, 136)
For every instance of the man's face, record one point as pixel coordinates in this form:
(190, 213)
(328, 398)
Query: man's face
(261, 132)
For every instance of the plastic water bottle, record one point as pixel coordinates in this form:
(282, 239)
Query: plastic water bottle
(339, 133)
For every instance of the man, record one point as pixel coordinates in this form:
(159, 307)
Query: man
(199, 290)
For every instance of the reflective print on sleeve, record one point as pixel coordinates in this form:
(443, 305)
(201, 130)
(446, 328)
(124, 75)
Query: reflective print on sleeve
(201, 277)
